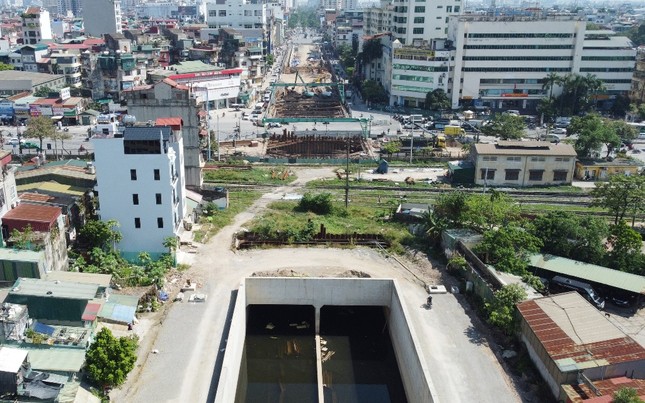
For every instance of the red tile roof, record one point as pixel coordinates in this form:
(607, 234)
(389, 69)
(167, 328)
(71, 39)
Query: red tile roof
(41, 218)
(174, 84)
(559, 345)
(174, 122)
(606, 387)
(91, 311)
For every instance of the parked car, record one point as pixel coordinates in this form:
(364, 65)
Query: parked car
(14, 141)
(563, 284)
(272, 125)
(559, 130)
(31, 145)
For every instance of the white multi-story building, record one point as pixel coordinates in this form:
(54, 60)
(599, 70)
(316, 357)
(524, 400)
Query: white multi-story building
(36, 25)
(101, 17)
(245, 14)
(140, 182)
(377, 19)
(415, 21)
(500, 62)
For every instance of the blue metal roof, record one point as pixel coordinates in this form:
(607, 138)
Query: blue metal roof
(147, 133)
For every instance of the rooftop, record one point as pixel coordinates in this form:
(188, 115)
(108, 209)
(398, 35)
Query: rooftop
(54, 289)
(33, 213)
(193, 66)
(102, 280)
(508, 147)
(606, 387)
(615, 162)
(36, 78)
(147, 133)
(55, 358)
(20, 255)
(589, 272)
(576, 335)
(11, 359)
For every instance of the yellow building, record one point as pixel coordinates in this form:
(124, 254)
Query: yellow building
(602, 169)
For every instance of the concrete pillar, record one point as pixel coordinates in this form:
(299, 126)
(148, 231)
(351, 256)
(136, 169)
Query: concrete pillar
(317, 315)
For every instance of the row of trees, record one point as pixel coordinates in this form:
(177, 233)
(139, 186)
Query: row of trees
(578, 94)
(304, 17)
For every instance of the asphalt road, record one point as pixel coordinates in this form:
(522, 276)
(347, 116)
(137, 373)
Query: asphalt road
(191, 340)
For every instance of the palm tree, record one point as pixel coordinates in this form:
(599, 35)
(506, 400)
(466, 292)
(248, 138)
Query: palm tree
(594, 85)
(550, 81)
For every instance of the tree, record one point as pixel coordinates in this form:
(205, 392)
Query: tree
(625, 252)
(624, 131)
(508, 248)
(593, 132)
(391, 147)
(551, 80)
(346, 55)
(109, 359)
(501, 310)
(451, 208)
(269, 60)
(621, 195)
(572, 236)
(40, 127)
(22, 239)
(487, 211)
(505, 126)
(620, 106)
(437, 100)
(100, 234)
(637, 35)
(547, 108)
(373, 91)
(43, 91)
(433, 226)
(62, 136)
(5, 66)
(627, 395)
(372, 50)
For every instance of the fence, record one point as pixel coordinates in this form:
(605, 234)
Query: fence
(484, 283)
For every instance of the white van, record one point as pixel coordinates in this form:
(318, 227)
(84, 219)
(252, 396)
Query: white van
(552, 138)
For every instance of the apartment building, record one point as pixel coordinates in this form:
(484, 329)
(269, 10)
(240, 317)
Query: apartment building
(69, 65)
(415, 21)
(378, 19)
(523, 163)
(36, 25)
(101, 17)
(245, 14)
(140, 181)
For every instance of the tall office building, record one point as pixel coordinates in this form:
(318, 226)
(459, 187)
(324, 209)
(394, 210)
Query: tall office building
(101, 17)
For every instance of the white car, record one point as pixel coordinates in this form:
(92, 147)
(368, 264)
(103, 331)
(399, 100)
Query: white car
(197, 298)
(559, 130)
(14, 141)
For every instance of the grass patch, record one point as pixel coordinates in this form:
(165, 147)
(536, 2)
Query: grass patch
(210, 224)
(259, 176)
(283, 220)
(353, 183)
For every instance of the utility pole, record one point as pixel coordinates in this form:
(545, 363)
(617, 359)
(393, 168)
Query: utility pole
(411, 143)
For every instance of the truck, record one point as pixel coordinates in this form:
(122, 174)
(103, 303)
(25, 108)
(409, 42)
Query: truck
(454, 131)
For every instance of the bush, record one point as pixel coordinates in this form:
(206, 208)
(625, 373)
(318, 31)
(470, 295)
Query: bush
(320, 204)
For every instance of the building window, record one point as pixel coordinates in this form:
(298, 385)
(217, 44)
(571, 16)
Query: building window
(137, 222)
(489, 158)
(560, 176)
(449, 9)
(158, 198)
(135, 199)
(541, 159)
(159, 222)
(536, 175)
(561, 159)
(222, 13)
(419, 20)
(514, 159)
(487, 174)
(133, 174)
(157, 175)
(212, 13)
(456, 9)
(417, 30)
(420, 9)
(512, 174)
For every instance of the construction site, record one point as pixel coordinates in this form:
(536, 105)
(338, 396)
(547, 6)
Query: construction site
(309, 91)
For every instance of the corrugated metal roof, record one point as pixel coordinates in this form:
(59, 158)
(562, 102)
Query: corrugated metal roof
(52, 186)
(11, 359)
(91, 311)
(119, 308)
(576, 335)
(21, 255)
(102, 280)
(525, 148)
(40, 217)
(589, 272)
(56, 359)
(146, 133)
(54, 289)
(607, 387)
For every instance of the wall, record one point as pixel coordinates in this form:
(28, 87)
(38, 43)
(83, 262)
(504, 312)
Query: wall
(327, 291)
(525, 165)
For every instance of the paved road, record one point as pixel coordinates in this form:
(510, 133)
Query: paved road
(190, 343)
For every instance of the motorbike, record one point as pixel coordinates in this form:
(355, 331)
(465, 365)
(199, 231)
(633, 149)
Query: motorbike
(429, 302)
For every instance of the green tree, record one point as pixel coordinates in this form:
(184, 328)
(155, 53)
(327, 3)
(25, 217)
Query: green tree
(508, 248)
(269, 59)
(391, 147)
(637, 35)
(373, 91)
(620, 106)
(40, 127)
(5, 66)
(593, 132)
(100, 234)
(550, 81)
(451, 207)
(627, 395)
(547, 108)
(622, 195)
(505, 126)
(347, 55)
(22, 239)
(437, 100)
(43, 91)
(624, 131)
(433, 226)
(372, 50)
(625, 249)
(487, 211)
(501, 310)
(109, 359)
(572, 236)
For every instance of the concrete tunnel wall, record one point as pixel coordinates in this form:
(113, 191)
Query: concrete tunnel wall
(319, 292)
